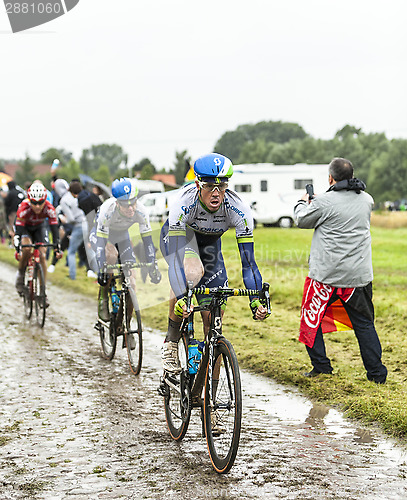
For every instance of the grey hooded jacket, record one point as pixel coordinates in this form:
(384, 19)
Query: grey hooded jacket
(341, 253)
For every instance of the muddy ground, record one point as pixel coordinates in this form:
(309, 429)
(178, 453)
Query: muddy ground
(73, 425)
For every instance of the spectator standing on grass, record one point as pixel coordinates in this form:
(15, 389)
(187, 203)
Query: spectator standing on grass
(74, 216)
(89, 203)
(12, 201)
(340, 267)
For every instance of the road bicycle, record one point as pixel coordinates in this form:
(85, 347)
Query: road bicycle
(122, 303)
(34, 291)
(215, 387)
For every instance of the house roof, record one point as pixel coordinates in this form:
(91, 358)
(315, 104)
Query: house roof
(167, 179)
(39, 169)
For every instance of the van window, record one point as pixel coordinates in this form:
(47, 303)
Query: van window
(301, 183)
(243, 188)
(150, 202)
(263, 185)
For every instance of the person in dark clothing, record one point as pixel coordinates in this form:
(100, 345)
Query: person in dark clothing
(89, 203)
(12, 201)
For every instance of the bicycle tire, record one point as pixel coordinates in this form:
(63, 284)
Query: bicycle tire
(227, 403)
(108, 337)
(178, 404)
(28, 297)
(39, 294)
(134, 346)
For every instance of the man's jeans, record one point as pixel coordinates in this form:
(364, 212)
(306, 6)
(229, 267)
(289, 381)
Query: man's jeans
(75, 240)
(369, 345)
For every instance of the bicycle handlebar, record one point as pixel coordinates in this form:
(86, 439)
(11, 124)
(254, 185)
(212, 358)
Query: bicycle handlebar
(264, 293)
(39, 244)
(129, 265)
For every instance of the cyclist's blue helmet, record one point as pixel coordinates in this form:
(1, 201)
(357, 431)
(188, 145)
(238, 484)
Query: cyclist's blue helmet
(125, 190)
(213, 167)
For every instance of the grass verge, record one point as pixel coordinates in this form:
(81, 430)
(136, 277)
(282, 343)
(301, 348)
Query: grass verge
(272, 347)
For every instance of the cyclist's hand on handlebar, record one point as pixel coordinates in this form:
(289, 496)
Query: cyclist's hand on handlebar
(258, 310)
(17, 255)
(155, 275)
(103, 278)
(58, 252)
(180, 308)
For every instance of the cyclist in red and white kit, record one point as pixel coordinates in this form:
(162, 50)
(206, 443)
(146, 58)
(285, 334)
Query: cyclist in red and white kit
(30, 228)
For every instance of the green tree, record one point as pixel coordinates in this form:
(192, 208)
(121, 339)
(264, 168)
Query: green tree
(138, 167)
(348, 131)
(147, 172)
(181, 166)
(231, 143)
(256, 151)
(102, 174)
(70, 170)
(388, 174)
(26, 172)
(48, 156)
(110, 155)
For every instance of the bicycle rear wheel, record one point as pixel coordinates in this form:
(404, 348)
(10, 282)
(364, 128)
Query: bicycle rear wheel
(39, 294)
(223, 408)
(28, 296)
(108, 337)
(133, 333)
(177, 401)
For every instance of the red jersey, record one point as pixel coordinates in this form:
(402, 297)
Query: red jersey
(27, 217)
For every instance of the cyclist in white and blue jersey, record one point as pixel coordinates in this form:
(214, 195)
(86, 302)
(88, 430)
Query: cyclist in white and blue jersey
(110, 236)
(191, 245)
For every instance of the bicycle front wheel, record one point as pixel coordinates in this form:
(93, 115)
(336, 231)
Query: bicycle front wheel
(39, 294)
(177, 401)
(108, 337)
(133, 334)
(223, 407)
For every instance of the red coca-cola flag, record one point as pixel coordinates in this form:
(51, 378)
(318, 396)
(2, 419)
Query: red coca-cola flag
(315, 310)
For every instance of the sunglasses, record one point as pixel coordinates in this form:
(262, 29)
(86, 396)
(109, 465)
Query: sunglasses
(211, 186)
(127, 203)
(35, 202)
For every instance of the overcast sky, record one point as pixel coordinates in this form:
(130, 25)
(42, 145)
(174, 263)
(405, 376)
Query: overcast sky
(159, 76)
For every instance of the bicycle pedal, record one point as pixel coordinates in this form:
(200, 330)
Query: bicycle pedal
(163, 389)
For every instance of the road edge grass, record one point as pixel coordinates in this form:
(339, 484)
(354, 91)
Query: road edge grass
(272, 348)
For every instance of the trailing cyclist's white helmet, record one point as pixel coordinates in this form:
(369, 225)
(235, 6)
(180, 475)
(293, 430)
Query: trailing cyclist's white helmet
(37, 192)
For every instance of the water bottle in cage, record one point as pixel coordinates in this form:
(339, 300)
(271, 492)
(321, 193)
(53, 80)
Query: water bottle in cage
(115, 300)
(194, 355)
(30, 271)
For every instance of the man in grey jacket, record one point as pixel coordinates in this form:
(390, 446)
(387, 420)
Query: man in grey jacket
(340, 266)
(74, 216)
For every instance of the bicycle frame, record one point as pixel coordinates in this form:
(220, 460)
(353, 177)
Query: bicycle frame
(219, 296)
(33, 294)
(121, 319)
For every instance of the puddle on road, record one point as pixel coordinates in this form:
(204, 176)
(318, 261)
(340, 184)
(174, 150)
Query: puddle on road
(89, 429)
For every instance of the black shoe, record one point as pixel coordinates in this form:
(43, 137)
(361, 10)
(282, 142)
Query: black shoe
(315, 373)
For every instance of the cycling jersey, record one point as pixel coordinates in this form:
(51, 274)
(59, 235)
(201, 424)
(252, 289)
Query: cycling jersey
(113, 226)
(27, 222)
(187, 210)
(27, 217)
(192, 227)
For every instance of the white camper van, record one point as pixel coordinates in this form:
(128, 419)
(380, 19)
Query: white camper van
(272, 190)
(157, 204)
